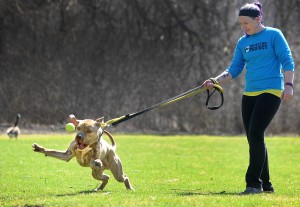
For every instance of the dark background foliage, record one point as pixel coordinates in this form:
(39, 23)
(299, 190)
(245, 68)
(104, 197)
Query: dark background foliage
(109, 58)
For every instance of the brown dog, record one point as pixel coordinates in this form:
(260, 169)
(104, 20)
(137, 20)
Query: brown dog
(92, 151)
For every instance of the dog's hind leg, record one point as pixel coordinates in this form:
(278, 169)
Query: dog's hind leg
(127, 183)
(117, 170)
(98, 175)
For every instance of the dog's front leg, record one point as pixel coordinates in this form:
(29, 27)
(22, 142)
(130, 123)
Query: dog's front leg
(66, 156)
(98, 175)
(96, 164)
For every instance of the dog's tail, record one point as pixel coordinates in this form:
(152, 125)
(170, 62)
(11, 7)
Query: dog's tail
(113, 143)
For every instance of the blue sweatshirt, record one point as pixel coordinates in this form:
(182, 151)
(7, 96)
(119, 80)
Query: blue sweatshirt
(264, 54)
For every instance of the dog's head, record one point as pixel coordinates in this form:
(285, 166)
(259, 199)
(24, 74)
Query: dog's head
(88, 130)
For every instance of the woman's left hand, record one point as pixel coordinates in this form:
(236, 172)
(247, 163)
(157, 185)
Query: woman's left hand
(287, 93)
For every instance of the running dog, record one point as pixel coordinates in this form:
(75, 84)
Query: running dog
(91, 150)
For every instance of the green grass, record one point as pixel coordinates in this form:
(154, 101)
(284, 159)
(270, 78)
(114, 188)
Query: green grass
(164, 170)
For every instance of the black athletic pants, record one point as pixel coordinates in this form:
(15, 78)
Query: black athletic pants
(257, 112)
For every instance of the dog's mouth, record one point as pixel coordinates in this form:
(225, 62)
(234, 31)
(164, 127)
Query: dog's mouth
(81, 146)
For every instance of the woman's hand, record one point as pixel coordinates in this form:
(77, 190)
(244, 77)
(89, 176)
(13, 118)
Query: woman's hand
(222, 78)
(288, 93)
(208, 84)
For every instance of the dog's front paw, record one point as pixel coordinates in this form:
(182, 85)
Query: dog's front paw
(38, 148)
(96, 163)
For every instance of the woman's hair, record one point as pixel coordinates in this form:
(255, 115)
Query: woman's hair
(252, 10)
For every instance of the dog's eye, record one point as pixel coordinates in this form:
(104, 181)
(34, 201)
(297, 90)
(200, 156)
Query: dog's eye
(78, 128)
(89, 131)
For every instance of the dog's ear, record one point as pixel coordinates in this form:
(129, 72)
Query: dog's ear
(73, 119)
(100, 121)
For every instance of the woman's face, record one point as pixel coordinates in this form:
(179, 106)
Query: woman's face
(249, 25)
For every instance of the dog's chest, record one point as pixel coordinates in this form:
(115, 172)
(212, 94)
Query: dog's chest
(85, 155)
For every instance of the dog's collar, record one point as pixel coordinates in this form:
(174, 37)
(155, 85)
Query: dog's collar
(99, 137)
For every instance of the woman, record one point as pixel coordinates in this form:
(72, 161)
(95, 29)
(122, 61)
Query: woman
(264, 51)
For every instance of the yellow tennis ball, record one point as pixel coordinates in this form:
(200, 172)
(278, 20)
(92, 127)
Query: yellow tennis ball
(70, 127)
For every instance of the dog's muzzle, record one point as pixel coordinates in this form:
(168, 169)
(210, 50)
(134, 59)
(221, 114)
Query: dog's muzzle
(79, 139)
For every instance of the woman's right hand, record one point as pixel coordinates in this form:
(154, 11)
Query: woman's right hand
(208, 84)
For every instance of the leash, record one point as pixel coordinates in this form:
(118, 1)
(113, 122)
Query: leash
(194, 91)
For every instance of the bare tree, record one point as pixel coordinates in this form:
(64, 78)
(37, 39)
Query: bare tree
(110, 57)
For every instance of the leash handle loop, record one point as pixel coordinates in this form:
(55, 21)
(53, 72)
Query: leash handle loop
(220, 90)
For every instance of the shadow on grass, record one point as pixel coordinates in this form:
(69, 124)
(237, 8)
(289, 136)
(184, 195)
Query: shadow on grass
(181, 192)
(83, 193)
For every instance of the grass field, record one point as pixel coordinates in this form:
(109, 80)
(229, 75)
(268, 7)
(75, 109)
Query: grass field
(164, 170)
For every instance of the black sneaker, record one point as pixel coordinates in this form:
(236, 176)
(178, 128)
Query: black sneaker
(251, 190)
(268, 189)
